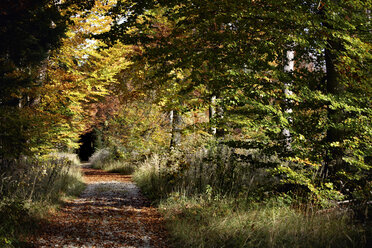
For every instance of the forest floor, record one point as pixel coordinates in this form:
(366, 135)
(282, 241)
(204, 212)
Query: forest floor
(111, 212)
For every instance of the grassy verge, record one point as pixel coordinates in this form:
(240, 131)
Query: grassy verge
(29, 189)
(205, 217)
(195, 222)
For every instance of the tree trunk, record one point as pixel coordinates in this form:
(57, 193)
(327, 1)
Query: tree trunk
(334, 134)
(288, 68)
(176, 122)
(212, 115)
(215, 116)
(334, 87)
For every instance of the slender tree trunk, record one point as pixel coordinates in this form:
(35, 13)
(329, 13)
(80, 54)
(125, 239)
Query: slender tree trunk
(288, 68)
(176, 122)
(212, 115)
(334, 87)
(215, 116)
(220, 132)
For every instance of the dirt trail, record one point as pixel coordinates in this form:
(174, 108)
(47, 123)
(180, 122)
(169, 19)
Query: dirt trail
(111, 212)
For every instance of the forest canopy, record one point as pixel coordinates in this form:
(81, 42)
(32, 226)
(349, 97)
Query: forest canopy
(287, 80)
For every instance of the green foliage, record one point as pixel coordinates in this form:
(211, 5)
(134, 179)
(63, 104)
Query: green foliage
(137, 129)
(32, 30)
(16, 220)
(237, 52)
(215, 198)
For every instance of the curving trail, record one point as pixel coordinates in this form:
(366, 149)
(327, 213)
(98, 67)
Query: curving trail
(111, 212)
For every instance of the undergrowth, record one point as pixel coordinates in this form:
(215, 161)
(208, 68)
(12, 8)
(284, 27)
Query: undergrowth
(199, 222)
(121, 167)
(209, 200)
(104, 159)
(29, 187)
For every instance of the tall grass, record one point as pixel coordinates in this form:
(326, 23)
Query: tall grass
(122, 167)
(68, 157)
(220, 169)
(99, 157)
(104, 160)
(214, 198)
(198, 222)
(29, 186)
(39, 180)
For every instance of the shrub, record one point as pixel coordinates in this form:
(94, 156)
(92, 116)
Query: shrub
(16, 220)
(106, 159)
(152, 177)
(99, 157)
(122, 167)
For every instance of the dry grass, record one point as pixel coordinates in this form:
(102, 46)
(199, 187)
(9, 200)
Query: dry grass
(201, 213)
(31, 187)
(197, 222)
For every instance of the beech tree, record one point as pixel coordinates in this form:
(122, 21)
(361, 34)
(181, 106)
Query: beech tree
(30, 29)
(44, 91)
(237, 51)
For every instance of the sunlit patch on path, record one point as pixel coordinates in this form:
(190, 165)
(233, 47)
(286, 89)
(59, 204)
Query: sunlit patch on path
(111, 212)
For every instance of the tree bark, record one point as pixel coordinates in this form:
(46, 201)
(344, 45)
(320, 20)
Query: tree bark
(288, 68)
(176, 122)
(212, 115)
(333, 87)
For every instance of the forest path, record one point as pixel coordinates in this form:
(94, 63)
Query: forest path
(111, 212)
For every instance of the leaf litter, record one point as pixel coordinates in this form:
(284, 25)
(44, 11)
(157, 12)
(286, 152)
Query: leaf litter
(111, 212)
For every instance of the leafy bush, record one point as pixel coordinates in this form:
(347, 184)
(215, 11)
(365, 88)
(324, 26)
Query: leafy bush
(16, 220)
(100, 156)
(151, 177)
(109, 160)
